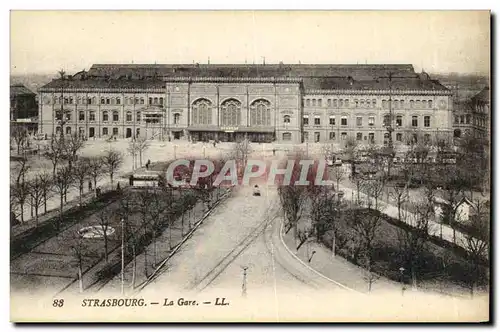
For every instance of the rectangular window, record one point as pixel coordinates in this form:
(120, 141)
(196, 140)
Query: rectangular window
(374, 103)
(329, 102)
(346, 102)
(317, 121)
(81, 116)
(103, 101)
(108, 101)
(314, 102)
(115, 131)
(306, 136)
(343, 136)
(150, 101)
(343, 121)
(332, 121)
(356, 103)
(359, 136)
(414, 121)
(359, 121)
(320, 102)
(317, 137)
(92, 116)
(429, 104)
(118, 101)
(70, 100)
(341, 103)
(104, 131)
(308, 102)
(399, 137)
(332, 136)
(305, 121)
(467, 119)
(335, 103)
(371, 137)
(399, 121)
(371, 120)
(427, 121)
(287, 136)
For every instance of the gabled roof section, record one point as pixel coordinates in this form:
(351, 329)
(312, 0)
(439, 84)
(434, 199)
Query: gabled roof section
(19, 90)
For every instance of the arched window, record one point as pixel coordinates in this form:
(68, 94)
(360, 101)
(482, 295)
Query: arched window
(231, 115)
(115, 116)
(201, 112)
(94, 100)
(177, 118)
(429, 103)
(161, 101)
(156, 101)
(138, 117)
(142, 101)
(118, 101)
(286, 119)
(105, 116)
(128, 116)
(103, 101)
(457, 133)
(91, 116)
(411, 104)
(260, 113)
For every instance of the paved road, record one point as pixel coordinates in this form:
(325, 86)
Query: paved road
(244, 233)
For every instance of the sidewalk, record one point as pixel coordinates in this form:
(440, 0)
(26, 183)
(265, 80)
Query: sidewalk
(338, 268)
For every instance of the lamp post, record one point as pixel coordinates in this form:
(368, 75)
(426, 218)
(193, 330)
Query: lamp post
(175, 151)
(123, 255)
(402, 271)
(244, 285)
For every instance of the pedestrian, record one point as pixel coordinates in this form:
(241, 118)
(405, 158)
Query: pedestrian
(274, 151)
(90, 185)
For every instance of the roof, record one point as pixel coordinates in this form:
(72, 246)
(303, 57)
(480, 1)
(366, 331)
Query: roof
(483, 96)
(321, 77)
(19, 90)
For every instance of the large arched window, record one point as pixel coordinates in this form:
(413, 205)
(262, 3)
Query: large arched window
(115, 116)
(260, 113)
(201, 112)
(105, 116)
(231, 115)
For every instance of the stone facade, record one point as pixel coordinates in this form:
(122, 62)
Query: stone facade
(288, 104)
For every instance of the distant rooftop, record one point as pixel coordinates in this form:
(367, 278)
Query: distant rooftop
(19, 89)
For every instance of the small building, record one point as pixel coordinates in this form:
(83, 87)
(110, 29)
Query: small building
(23, 108)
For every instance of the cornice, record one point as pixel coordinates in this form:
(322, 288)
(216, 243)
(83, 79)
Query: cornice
(378, 92)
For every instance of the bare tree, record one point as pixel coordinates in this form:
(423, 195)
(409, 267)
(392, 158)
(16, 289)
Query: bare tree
(81, 172)
(351, 151)
(158, 205)
(71, 146)
(36, 190)
(46, 182)
(413, 238)
(476, 243)
(62, 181)
(366, 224)
(142, 144)
(55, 152)
(112, 161)
(338, 173)
(132, 150)
(142, 204)
(79, 250)
(104, 219)
(95, 169)
(125, 209)
(20, 136)
(20, 192)
(240, 153)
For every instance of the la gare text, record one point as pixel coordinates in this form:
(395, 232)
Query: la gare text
(167, 302)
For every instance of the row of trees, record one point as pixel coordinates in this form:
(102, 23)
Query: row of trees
(34, 189)
(361, 230)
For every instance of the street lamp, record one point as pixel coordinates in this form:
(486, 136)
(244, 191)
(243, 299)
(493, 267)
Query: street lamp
(244, 285)
(123, 256)
(175, 151)
(402, 271)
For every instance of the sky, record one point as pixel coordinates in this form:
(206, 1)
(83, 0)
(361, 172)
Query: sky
(42, 42)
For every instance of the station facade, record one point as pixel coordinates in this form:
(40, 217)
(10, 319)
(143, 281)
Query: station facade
(264, 103)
